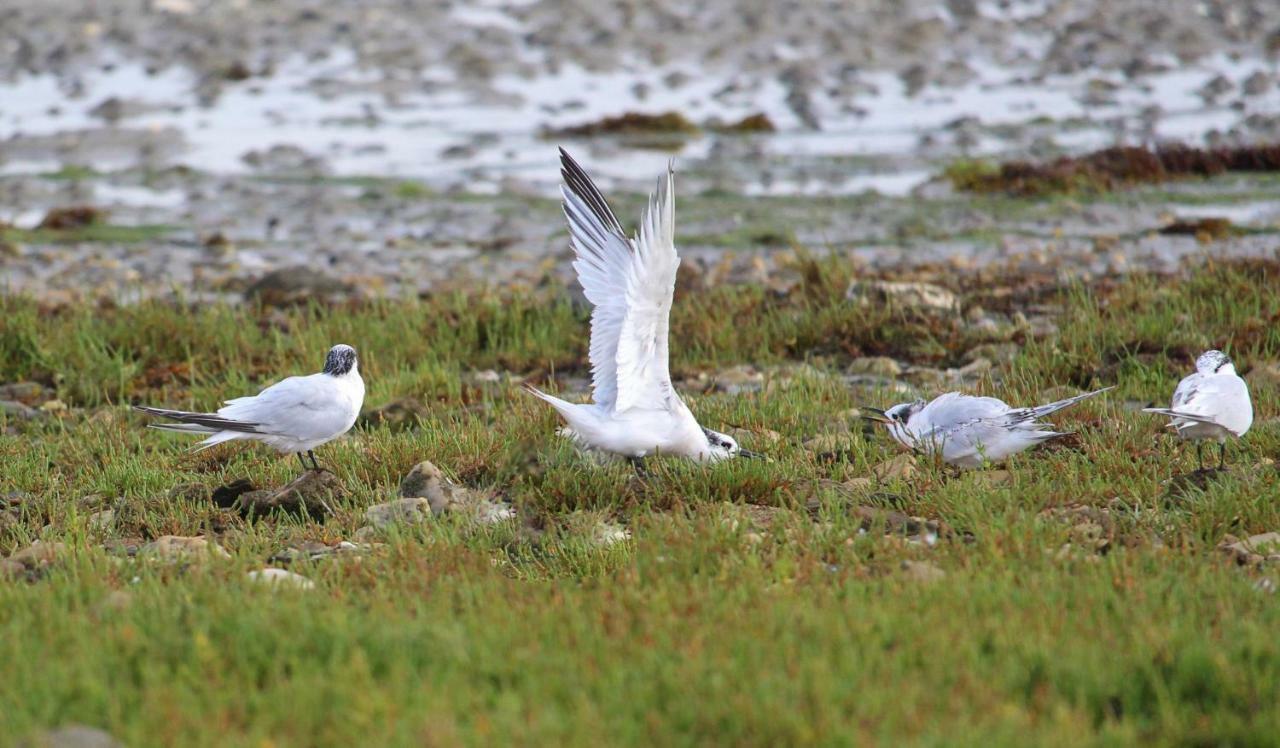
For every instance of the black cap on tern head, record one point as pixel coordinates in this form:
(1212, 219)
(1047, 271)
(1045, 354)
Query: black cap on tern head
(341, 360)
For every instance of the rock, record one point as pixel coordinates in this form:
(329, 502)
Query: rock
(396, 415)
(72, 736)
(426, 481)
(27, 393)
(297, 285)
(311, 493)
(39, 554)
(829, 446)
(365, 535)
(14, 410)
(178, 549)
(11, 570)
(918, 296)
(879, 366)
(903, 466)
(605, 534)
(422, 481)
(999, 353)
(116, 600)
(1264, 376)
(273, 577)
(102, 521)
(997, 477)
(313, 551)
(739, 379)
(75, 217)
(922, 571)
(411, 511)
(1253, 550)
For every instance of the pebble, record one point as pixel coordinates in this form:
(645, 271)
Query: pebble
(919, 296)
(72, 736)
(276, 578)
(176, 548)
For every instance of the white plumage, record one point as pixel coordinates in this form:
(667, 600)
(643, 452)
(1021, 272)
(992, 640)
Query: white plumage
(968, 431)
(294, 416)
(635, 412)
(1211, 404)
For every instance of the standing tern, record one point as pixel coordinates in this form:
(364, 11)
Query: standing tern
(967, 431)
(1213, 403)
(635, 411)
(295, 415)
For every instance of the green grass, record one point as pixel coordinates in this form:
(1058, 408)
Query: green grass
(700, 629)
(94, 232)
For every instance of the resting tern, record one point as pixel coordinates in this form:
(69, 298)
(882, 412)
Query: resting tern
(295, 415)
(967, 431)
(635, 411)
(1211, 404)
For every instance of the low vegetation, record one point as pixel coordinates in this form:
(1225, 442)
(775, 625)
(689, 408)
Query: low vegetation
(1078, 594)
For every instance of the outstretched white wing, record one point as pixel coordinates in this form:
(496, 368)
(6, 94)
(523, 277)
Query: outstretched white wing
(630, 283)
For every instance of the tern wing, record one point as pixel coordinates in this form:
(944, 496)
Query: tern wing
(630, 283)
(1030, 416)
(302, 408)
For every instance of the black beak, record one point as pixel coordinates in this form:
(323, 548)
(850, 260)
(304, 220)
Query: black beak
(749, 454)
(875, 414)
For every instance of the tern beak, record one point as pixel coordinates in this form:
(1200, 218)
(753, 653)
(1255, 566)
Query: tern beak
(749, 454)
(874, 414)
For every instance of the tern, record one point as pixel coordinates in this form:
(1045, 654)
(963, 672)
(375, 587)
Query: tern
(635, 411)
(294, 415)
(967, 431)
(1211, 404)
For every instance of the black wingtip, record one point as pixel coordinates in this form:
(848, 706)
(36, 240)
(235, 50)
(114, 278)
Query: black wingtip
(581, 185)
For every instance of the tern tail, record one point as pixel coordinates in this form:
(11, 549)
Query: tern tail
(210, 422)
(1171, 413)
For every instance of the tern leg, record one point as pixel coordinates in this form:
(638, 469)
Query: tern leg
(1199, 455)
(314, 463)
(1222, 455)
(303, 461)
(638, 464)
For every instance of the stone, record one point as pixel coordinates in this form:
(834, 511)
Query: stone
(277, 578)
(27, 393)
(311, 493)
(102, 521)
(411, 511)
(1264, 376)
(397, 415)
(297, 285)
(739, 379)
(922, 571)
(905, 295)
(903, 466)
(879, 366)
(426, 481)
(14, 410)
(39, 554)
(998, 353)
(606, 534)
(1253, 550)
(72, 736)
(179, 549)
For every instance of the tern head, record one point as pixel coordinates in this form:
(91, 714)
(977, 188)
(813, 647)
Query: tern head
(340, 361)
(722, 447)
(896, 418)
(1214, 362)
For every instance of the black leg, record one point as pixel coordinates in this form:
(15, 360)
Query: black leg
(314, 463)
(638, 464)
(1222, 455)
(1199, 455)
(303, 460)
